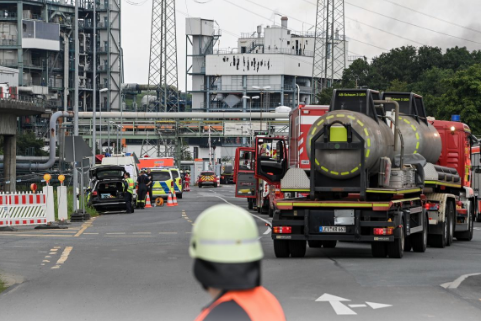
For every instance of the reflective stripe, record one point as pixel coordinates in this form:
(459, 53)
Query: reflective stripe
(228, 242)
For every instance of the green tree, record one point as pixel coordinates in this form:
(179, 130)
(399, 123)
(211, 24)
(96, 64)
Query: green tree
(463, 97)
(27, 144)
(357, 74)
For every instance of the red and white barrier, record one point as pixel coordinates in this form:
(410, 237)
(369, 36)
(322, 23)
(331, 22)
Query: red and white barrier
(23, 209)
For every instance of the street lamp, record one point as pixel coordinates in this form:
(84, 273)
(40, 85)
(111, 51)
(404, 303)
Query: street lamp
(250, 112)
(100, 111)
(261, 90)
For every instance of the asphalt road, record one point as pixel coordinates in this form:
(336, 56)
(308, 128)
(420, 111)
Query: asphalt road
(137, 267)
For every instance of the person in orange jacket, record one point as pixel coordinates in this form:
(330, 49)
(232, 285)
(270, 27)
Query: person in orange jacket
(227, 257)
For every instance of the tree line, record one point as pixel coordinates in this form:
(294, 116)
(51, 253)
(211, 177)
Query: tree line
(449, 81)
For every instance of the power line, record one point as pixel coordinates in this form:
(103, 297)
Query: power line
(411, 24)
(433, 17)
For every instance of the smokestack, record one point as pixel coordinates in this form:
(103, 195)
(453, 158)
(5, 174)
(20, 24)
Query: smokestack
(284, 22)
(259, 31)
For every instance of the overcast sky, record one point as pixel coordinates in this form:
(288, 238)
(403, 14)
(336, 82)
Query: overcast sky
(463, 15)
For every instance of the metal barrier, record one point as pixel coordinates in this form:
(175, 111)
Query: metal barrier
(21, 209)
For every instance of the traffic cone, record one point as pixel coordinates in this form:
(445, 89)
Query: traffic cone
(169, 201)
(175, 200)
(147, 202)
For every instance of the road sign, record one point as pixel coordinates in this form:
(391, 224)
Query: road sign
(341, 309)
(77, 147)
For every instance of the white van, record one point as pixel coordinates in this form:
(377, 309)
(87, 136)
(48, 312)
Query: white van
(128, 162)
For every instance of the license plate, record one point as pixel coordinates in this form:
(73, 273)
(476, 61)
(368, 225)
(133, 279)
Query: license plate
(332, 229)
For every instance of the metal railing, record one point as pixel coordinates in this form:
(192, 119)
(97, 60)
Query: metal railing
(9, 63)
(8, 42)
(8, 15)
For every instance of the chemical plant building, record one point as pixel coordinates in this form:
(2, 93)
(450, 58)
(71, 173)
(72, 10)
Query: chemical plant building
(274, 57)
(37, 39)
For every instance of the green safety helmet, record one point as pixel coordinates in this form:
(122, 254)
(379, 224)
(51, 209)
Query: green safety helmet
(226, 248)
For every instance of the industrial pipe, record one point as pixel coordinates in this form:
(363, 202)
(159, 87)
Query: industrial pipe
(53, 142)
(188, 115)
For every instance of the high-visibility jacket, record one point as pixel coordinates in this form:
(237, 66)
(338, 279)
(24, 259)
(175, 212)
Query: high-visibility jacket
(130, 185)
(256, 304)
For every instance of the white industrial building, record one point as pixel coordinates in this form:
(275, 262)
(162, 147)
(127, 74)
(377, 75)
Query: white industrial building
(274, 63)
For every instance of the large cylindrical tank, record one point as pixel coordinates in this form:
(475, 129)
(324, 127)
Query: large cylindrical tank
(343, 164)
(419, 138)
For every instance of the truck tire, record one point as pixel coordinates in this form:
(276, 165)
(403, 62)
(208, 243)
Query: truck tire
(297, 248)
(200, 186)
(395, 250)
(478, 217)
(379, 249)
(329, 244)
(439, 240)
(419, 241)
(314, 244)
(407, 243)
(281, 248)
(451, 222)
(466, 235)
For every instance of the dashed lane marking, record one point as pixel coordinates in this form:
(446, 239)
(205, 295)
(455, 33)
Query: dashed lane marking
(141, 233)
(91, 233)
(120, 233)
(37, 235)
(63, 258)
(167, 233)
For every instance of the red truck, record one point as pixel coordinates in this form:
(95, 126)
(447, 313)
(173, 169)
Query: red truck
(381, 172)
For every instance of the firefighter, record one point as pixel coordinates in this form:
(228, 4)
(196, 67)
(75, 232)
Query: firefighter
(128, 192)
(227, 257)
(143, 182)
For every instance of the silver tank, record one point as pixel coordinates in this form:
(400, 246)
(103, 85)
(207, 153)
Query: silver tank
(419, 138)
(343, 164)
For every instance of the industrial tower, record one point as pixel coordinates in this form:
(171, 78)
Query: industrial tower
(163, 56)
(330, 51)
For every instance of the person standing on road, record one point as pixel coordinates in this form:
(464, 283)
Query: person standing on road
(227, 257)
(142, 181)
(150, 185)
(128, 192)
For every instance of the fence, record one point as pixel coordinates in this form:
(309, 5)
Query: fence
(23, 209)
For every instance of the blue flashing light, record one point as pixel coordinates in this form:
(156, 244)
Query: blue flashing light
(455, 118)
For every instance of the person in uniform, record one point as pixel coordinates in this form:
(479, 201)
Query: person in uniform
(227, 257)
(142, 181)
(128, 192)
(150, 186)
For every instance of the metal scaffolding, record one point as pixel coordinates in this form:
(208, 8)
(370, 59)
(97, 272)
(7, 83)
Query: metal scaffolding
(163, 56)
(330, 52)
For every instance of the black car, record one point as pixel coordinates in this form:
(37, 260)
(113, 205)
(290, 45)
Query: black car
(107, 189)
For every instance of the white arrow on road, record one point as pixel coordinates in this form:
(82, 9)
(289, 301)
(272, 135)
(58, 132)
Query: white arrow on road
(342, 309)
(336, 303)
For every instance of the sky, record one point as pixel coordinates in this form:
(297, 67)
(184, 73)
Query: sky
(372, 26)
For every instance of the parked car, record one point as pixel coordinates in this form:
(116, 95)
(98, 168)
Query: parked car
(177, 181)
(107, 192)
(163, 182)
(207, 178)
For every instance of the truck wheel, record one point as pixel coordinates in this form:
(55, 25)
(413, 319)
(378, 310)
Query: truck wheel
(439, 240)
(395, 249)
(314, 244)
(467, 235)
(419, 241)
(329, 244)
(297, 248)
(407, 243)
(200, 186)
(379, 249)
(451, 222)
(250, 204)
(281, 248)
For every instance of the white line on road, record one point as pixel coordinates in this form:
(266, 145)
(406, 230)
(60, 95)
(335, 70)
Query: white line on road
(122, 233)
(140, 233)
(357, 305)
(267, 231)
(458, 281)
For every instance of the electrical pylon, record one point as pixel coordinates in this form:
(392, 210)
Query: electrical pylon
(163, 56)
(330, 50)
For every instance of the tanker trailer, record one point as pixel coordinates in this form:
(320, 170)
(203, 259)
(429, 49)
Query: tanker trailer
(372, 162)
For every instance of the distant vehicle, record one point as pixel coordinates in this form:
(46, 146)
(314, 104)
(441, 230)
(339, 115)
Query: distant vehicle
(227, 175)
(107, 193)
(177, 181)
(156, 162)
(129, 163)
(207, 178)
(163, 182)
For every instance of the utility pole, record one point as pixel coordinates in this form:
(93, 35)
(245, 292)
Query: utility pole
(75, 107)
(94, 93)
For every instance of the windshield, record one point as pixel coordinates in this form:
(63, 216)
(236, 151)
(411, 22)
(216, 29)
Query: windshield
(110, 174)
(160, 176)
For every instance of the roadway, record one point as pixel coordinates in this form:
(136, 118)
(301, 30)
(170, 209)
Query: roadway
(137, 267)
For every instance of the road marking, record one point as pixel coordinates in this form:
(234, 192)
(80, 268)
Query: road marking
(84, 226)
(91, 233)
(336, 304)
(46, 261)
(167, 232)
(52, 253)
(47, 256)
(477, 228)
(63, 257)
(267, 231)
(119, 233)
(54, 249)
(341, 309)
(57, 247)
(38, 235)
(141, 233)
(458, 281)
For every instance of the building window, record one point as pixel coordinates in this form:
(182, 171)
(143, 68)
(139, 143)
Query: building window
(243, 49)
(288, 42)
